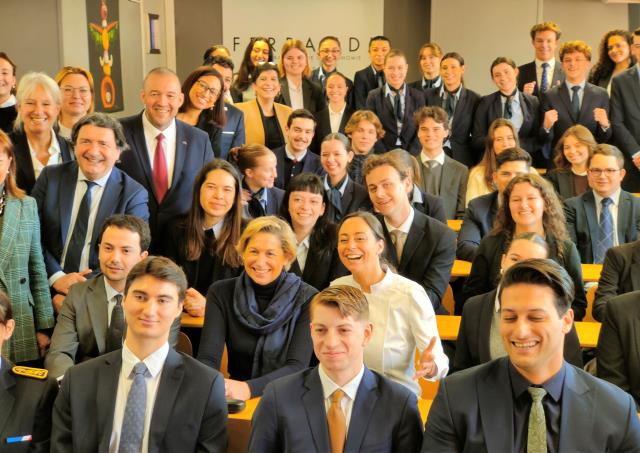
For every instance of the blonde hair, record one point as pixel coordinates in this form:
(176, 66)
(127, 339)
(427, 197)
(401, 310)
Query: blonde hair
(364, 115)
(287, 46)
(575, 46)
(68, 70)
(349, 300)
(28, 83)
(272, 225)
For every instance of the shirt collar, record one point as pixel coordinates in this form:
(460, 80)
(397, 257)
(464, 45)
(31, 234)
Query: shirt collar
(305, 242)
(457, 93)
(217, 228)
(54, 146)
(154, 131)
(154, 362)
(615, 197)
(339, 112)
(291, 156)
(406, 225)
(416, 195)
(9, 102)
(569, 85)
(496, 301)
(342, 187)
(439, 158)
(388, 91)
(350, 388)
(101, 181)
(551, 62)
(553, 385)
(436, 82)
(110, 290)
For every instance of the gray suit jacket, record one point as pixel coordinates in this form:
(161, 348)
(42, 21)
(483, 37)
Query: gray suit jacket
(453, 186)
(81, 330)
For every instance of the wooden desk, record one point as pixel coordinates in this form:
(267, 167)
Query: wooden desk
(590, 272)
(455, 225)
(186, 320)
(461, 268)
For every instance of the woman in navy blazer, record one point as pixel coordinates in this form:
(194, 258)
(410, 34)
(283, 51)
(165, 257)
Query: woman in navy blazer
(569, 177)
(296, 86)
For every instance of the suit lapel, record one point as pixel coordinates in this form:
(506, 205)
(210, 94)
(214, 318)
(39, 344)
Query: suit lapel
(97, 307)
(495, 108)
(7, 399)
(365, 401)
(345, 118)
(484, 328)
(447, 180)
(625, 227)
(142, 154)
(347, 198)
(459, 111)
(524, 106)
(414, 238)
(313, 401)
(10, 225)
(592, 220)
(565, 97)
(106, 397)
(284, 91)
(172, 375)
(108, 202)
(635, 266)
(67, 189)
(577, 399)
(181, 155)
(496, 407)
(586, 109)
(306, 93)
(635, 84)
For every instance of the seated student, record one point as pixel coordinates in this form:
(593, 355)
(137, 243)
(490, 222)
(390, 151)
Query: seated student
(618, 345)
(479, 336)
(344, 195)
(429, 57)
(419, 247)
(402, 317)
(265, 119)
(522, 110)
(529, 204)
(91, 323)
(480, 214)
(372, 76)
(537, 76)
(330, 53)
(262, 316)
(569, 177)
(296, 89)
(203, 241)
(305, 208)
(397, 122)
(460, 104)
(294, 157)
(620, 275)
(575, 101)
(428, 204)
(531, 400)
(614, 57)
(8, 111)
(257, 53)
(365, 131)
(140, 391)
(335, 116)
(606, 215)
(440, 175)
(340, 405)
(27, 397)
(257, 165)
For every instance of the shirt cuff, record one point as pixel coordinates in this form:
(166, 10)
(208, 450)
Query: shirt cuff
(55, 277)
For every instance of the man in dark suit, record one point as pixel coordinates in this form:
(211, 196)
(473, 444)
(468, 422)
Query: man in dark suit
(427, 246)
(441, 175)
(625, 117)
(165, 154)
(481, 212)
(620, 275)
(372, 76)
(26, 398)
(340, 405)
(233, 130)
(605, 204)
(531, 400)
(295, 157)
(395, 103)
(130, 399)
(74, 198)
(330, 53)
(575, 101)
(539, 75)
(618, 351)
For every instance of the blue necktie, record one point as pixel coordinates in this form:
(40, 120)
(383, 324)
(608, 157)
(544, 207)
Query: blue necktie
(605, 239)
(575, 102)
(544, 80)
(79, 234)
(133, 421)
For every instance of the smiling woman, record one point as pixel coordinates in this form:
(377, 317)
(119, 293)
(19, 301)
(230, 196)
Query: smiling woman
(76, 87)
(298, 91)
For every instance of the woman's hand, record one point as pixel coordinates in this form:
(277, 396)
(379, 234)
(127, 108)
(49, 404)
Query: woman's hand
(427, 367)
(43, 342)
(194, 303)
(237, 390)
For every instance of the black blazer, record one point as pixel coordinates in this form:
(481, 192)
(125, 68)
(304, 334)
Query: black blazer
(485, 269)
(363, 82)
(625, 120)
(275, 196)
(323, 126)
(476, 224)
(418, 85)
(461, 126)
(431, 205)
(214, 132)
(582, 221)
(527, 73)
(559, 98)
(562, 181)
(312, 97)
(620, 275)
(490, 108)
(355, 198)
(427, 256)
(618, 348)
(472, 345)
(25, 175)
(315, 77)
(311, 165)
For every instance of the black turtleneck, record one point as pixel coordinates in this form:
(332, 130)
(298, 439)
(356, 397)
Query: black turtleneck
(264, 293)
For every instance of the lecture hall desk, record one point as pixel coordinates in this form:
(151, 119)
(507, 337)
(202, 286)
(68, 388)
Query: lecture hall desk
(590, 272)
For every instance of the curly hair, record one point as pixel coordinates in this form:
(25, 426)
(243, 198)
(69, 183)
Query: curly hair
(605, 66)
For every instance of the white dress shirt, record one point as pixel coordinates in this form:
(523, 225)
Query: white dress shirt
(550, 69)
(291, 156)
(613, 208)
(439, 158)
(55, 156)
(9, 102)
(111, 299)
(403, 320)
(301, 253)
(350, 390)
(335, 118)
(296, 96)
(169, 144)
(154, 364)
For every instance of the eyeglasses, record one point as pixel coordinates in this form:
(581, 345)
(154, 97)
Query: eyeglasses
(70, 91)
(206, 88)
(333, 51)
(605, 171)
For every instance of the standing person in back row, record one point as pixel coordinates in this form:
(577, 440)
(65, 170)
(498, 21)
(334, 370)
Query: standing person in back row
(372, 76)
(537, 76)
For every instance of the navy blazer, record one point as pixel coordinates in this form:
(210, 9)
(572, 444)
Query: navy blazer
(382, 106)
(193, 151)
(188, 391)
(490, 108)
(363, 82)
(473, 412)
(527, 73)
(559, 98)
(583, 225)
(275, 196)
(625, 120)
(431, 205)
(472, 344)
(312, 97)
(233, 131)
(323, 126)
(25, 175)
(54, 192)
(476, 224)
(461, 126)
(355, 198)
(311, 165)
(427, 256)
(291, 417)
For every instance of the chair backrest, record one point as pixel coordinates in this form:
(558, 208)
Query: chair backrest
(447, 301)
(591, 295)
(184, 344)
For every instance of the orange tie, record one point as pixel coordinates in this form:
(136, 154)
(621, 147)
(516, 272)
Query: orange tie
(337, 422)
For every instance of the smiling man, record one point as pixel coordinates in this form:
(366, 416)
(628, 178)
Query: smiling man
(542, 73)
(340, 405)
(531, 400)
(76, 197)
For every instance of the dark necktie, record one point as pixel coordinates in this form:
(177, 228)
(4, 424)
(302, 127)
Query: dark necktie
(116, 327)
(544, 80)
(380, 78)
(160, 177)
(605, 233)
(132, 430)
(256, 208)
(397, 104)
(428, 83)
(507, 113)
(335, 198)
(575, 102)
(79, 234)
(449, 104)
